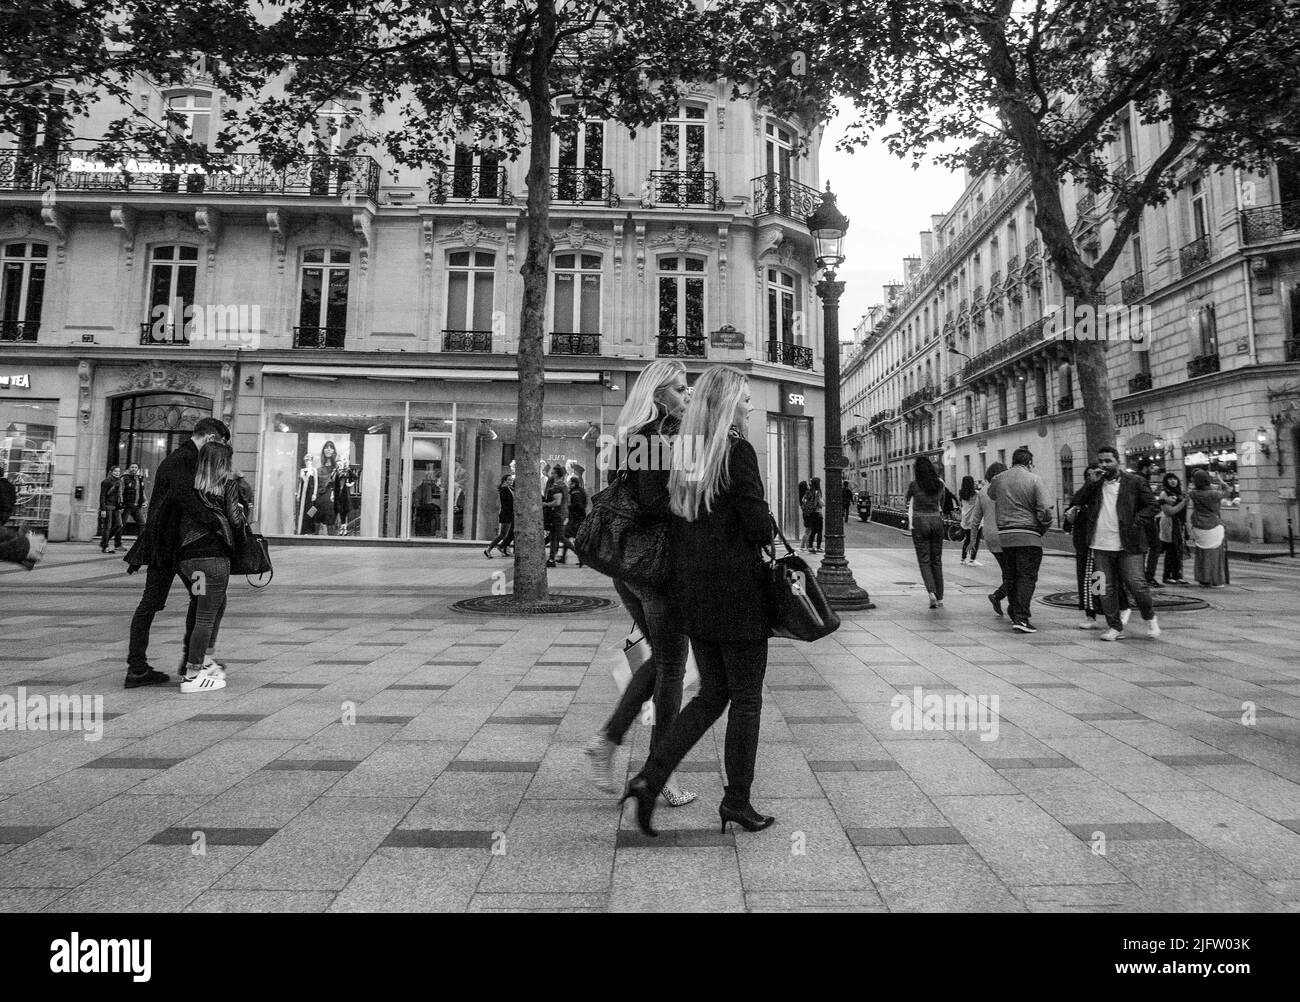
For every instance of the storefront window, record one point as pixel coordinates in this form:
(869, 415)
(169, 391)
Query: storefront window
(27, 459)
(789, 460)
(1212, 447)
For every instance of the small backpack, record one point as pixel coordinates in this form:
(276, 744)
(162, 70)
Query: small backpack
(811, 502)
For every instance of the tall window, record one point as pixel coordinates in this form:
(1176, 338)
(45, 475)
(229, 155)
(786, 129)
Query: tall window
(780, 156)
(1199, 224)
(173, 270)
(22, 290)
(1206, 334)
(782, 313)
(681, 140)
(681, 297)
(1126, 143)
(577, 294)
(475, 175)
(470, 282)
(195, 110)
(580, 156)
(323, 302)
(1067, 471)
(330, 133)
(41, 135)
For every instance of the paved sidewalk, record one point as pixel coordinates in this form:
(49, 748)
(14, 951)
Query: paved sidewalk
(376, 751)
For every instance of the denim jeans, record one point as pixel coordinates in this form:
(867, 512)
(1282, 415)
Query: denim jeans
(1130, 568)
(157, 586)
(970, 540)
(1173, 560)
(112, 528)
(729, 674)
(207, 603)
(927, 539)
(505, 531)
(662, 674)
(1022, 563)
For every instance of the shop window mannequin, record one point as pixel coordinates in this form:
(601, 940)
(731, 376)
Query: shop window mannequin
(307, 487)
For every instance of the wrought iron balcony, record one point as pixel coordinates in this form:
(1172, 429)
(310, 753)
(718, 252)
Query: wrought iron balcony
(1012, 346)
(583, 185)
(229, 174)
(681, 347)
(1031, 250)
(1087, 202)
(684, 188)
(1013, 267)
(318, 337)
(1195, 254)
(775, 193)
(1140, 382)
(575, 344)
(1203, 365)
(917, 398)
(464, 183)
(880, 417)
(1270, 222)
(784, 353)
(466, 340)
(1065, 403)
(950, 382)
(18, 330)
(1132, 288)
(963, 308)
(153, 332)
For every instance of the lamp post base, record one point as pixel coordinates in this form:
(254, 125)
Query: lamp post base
(841, 590)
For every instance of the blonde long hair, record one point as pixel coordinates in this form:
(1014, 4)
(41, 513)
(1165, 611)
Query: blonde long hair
(642, 406)
(701, 452)
(214, 468)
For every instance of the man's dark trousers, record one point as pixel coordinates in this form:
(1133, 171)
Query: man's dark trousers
(157, 586)
(1022, 563)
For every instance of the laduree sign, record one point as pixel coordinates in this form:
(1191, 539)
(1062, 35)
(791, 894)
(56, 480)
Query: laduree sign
(1129, 419)
(19, 382)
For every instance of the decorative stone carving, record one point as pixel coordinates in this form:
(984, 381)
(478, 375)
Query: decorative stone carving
(722, 117)
(207, 221)
(618, 249)
(723, 232)
(426, 225)
(681, 237)
(159, 375)
(471, 233)
(577, 236)
(59, 221)
(640, 251)
(361, 221)
(85, 376)
(322, 231)
(512, 228)
(277, 221)
(173, 227)
(227, 403)
(124, 219)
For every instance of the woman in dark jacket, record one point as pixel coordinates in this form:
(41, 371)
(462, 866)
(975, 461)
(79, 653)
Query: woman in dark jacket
(505, 517)
(719, 527)
(642, 451)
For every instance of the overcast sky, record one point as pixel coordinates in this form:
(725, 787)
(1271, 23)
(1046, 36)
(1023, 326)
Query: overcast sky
(888, 204)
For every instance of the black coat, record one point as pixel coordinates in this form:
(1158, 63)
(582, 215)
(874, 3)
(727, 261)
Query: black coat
(506, 498)
(718, 580)
(1135, 508)
(159, 540)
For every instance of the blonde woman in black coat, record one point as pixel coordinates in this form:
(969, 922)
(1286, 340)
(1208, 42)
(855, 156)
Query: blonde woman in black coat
(720, 523)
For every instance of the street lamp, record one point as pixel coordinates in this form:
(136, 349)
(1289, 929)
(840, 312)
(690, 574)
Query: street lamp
(828, 226)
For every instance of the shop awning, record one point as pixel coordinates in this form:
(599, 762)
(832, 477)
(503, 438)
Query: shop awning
(405, 373)
(1209, 438)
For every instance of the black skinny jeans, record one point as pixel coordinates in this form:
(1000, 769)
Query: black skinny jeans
(1022, 563)
(970, 540)
(1173, 560)
(157, 586)
(729, 674)
(505, 533)
(662, 674)
(927, 539)
(1003, 589)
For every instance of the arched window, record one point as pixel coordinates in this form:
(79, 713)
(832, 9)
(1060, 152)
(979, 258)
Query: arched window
(22, 290)
(173, 272)
(323, 298)
(681, 305)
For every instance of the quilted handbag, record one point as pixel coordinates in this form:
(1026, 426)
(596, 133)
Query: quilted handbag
(799, 608)
(615, 540)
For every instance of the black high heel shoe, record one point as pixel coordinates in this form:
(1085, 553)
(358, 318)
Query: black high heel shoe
(639, 790)
(748, 818)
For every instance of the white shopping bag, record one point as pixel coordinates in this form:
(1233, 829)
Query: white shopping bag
(636, 652)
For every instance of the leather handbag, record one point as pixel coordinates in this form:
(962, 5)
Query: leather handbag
(799, 608)
(615, 540)
(252, 556)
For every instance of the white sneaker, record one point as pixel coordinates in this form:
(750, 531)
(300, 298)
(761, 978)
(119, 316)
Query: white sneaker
(1090, 624)
(1153, 626)
(214, 667)
(1112, 635)
(1124, 615)
(975, 563)
(202, 681)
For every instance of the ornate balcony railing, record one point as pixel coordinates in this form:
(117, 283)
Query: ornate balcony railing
(1270, 222)
(995, 283)
(950, 382)
(158, 333)
(1031, 250)
(583, 185)
(1203, 365)
(18, 330)
(917, 398)
(963, 309)
(228, 174)
(775, 193)
(1292, 348)
(318, 337)
(466, 340)
(1003, 350)
(1013, 268)
(1132, 288)
(575, 344)
(1087, 202)
(790, 354)
(1194, 254)
(681, 347)
(684, 188)
(1140, 382)
(880, 417)
(1065, 403)
(463, 183)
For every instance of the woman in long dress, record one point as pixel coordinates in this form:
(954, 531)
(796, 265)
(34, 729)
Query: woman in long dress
(1205, 525)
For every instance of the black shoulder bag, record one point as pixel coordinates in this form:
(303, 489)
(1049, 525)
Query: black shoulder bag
(615, 540)
(798, 606)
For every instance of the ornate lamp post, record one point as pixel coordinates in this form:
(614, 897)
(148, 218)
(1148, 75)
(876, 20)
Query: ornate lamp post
(828, 226)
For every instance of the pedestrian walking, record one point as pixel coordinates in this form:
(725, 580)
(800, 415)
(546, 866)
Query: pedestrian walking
(926, 497)
(1077, 525)
(577, 507)
(971, 528)
(555, 505)
(134, 497)
(17, 546)
(1020, 498)
(847, 494)
(175, 474)
(1119, 507)
(720, 524)
(811, 507)
(984, 517)
(207, 521)
(505, 517)
(1205, 526)
(110, 509)
(1173, 526)
(646, 426)
(1146, 469)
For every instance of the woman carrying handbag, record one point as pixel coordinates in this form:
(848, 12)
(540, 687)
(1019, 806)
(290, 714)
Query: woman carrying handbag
(645, 429)
(720, 526)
